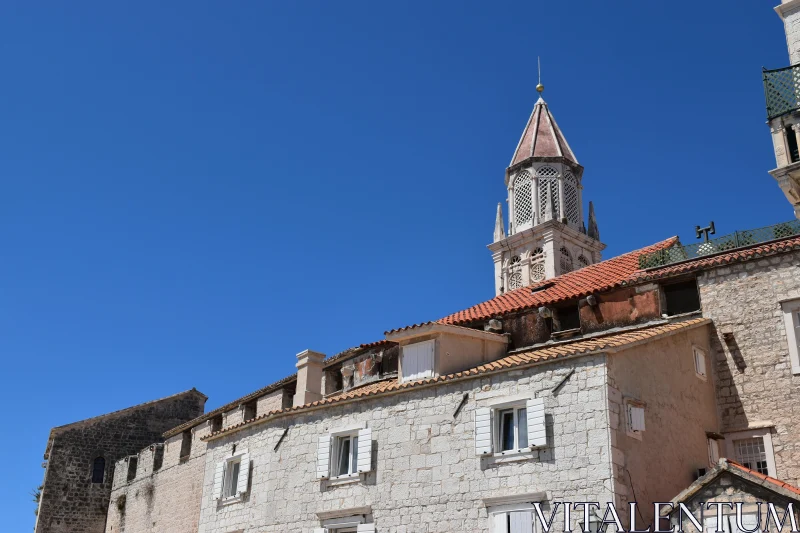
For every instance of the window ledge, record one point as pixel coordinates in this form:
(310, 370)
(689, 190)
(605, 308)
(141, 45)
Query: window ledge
(231, 499)
(513, 456)
(344, 480)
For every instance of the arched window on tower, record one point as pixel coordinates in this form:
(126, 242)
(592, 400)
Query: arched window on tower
(515, 280)
(523, 201)
(582, 261)
(571, 203)
(537, 265)
(566, 260)
(548, 191)
(98, 470)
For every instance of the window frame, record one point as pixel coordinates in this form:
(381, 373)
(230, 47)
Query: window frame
(499, 424)
(336, 446)
(225, 495)
(697, 350)
(95, 470)
(791, 322)
(765, 434)
(506, 510)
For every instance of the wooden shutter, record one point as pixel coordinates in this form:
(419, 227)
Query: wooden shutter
(637, 418)
(483, 431)
(364, 450)
(365, 528)
(244, 473)
(521, 522)
(219, 476)
(500, 523)
(537, 435)
(700, 362)
(324, 457)
(418, 360)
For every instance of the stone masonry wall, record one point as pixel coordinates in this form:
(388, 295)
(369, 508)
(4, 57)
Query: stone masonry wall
(163, 500)
(427, 477)
(70, 502)
(755, 382)
(791, 24)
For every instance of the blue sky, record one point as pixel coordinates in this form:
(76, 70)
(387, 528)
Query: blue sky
(193, 192)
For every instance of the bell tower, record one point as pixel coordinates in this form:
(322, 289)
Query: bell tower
(546, 233)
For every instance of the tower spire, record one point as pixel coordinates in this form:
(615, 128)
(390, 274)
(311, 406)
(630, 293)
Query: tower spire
(499, 227)
(593, 232)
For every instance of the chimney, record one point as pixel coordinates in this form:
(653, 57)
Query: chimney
(309, 377)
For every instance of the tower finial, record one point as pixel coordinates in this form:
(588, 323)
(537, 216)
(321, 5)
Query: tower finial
(539, 87)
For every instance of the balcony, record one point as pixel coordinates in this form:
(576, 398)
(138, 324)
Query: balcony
(738, 239)
(782, 90)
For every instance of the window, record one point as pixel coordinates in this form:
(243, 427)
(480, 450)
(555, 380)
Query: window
(158, 456)
(515, 280)
(749, 522)
(571, 200)
(634, 411)
(699, 362)
(98, 470)
(232, 477)
(523, 201)
(681, 297)
(567, 317)
(582, 261)
(133, 462)
(249, 410)
(511, 426)
(417, 361)
(517, 518)
(186, 444)
(537, 271)
(216, 423)
(548, 192)
(348, 525)
(753, 449)
(566, 260)
(791, 319)
(791, 140)
(345, 453)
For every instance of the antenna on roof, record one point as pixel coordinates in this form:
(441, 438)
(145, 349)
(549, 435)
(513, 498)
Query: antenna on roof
(704, 232)
(539, 87)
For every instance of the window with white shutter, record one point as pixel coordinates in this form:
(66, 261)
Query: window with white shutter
(232, 477)
(699, 362)
(510, 426)
(417, 360)
(634, 414)
(344, 454)
(516, 518)
(791, 318)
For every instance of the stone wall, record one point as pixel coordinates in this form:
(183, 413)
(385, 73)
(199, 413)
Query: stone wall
(163, 499)
(791, 24)
(679, 409)
(70, 502)
(756, 387)
(427, 476)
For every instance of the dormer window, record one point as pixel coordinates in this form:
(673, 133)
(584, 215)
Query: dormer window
(417, 360)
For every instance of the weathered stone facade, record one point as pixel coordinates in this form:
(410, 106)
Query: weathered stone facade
(755, 380)
(70, 501)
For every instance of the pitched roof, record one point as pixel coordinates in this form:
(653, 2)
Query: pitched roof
(612, 342)
(734, 256)
(768, 479)
(587, 280)
(542, 137)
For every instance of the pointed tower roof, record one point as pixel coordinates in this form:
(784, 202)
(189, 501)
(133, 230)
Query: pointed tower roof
(542, 137)
(499, 226)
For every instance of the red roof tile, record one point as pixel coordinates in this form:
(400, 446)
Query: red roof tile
(593, 278)
(778, 482)
(734, 256)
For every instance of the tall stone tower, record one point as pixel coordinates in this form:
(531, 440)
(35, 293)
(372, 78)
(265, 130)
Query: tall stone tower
(546, 233)
(782, 91)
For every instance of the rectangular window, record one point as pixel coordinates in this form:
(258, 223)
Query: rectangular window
(699, 362)
(186, 444)
(791, 140)
(751, 453)
(417, 362)
(681, 297)
(512, 429)
(231, 486)
(567, 318)
(713, 452)
(791, 319)
(232, 477)
(133, 462)
(634, 411)
(516, 518)
(346, 449)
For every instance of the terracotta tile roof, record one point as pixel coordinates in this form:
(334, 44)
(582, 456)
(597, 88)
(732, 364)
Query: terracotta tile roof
(734, 256)
(607, 343)
(542, 137)
(778, 482)
(593, 278)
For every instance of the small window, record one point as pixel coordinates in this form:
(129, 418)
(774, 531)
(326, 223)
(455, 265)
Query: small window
(417, 362)
(98, 470)
(791, 320)
(583, 261)
(751, 453)
(512, 429)
(699, 362)
(249, 410)
(516, 518)
(681, 298)
(186, 444)
(566, 260)
(231, 484)
(158, 456)
(634, 411)
(713, 452)
(232, 477)
(133, 462)
(567, 317)
(791, 140)
(216, 423)
(346, 453)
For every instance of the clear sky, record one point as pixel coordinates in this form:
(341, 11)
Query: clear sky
(193, 192)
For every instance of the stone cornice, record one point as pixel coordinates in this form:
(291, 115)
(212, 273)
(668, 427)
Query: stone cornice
(786, 7)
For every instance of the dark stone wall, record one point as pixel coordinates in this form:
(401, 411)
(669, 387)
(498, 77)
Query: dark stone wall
(70, 502)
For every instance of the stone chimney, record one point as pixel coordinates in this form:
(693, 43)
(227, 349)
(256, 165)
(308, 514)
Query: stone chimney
(309, 377)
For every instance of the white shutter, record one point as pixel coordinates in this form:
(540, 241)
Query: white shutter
(700, 362)
(219, 476)
(426, 359)
(637, 418)
(537, 435)
(483, 431)
(418, 360)
(244, 473)
(521, 522)
(713, 452)
(366, 528)
(364, 450)
(499, 523)
(324, 457)
(320, 530)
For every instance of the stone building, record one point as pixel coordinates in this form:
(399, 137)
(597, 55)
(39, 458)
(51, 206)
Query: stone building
(80, 459)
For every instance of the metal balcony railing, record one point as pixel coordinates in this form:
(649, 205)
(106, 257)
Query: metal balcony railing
(782, 90)
(738, 239)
